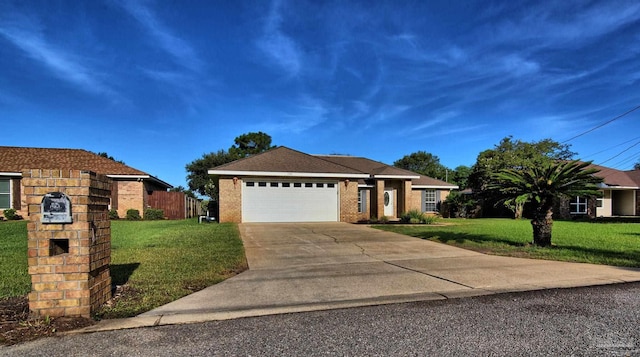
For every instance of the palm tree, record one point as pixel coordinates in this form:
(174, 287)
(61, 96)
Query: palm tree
(542, 186)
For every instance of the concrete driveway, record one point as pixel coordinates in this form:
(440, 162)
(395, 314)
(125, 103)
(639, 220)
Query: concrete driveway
(315, 266)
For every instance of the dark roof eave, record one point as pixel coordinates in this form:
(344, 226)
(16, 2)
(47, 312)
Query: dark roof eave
(142, 177)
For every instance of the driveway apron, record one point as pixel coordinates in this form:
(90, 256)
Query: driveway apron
(316, 266)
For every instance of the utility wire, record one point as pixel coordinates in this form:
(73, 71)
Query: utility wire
(609, 148)
(620, 153)
(603, 124)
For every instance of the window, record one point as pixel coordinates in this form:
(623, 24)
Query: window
(262, 184)
(319, 185)
(600, 202)
(273, 184)
(578, 205)
(308, 184)
(297, 184)
(430, 203)
(251, 184)
(286, 184)
(331, 185)
(5, 194)
(362, 201)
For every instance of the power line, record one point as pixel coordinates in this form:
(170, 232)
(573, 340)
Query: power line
(620, 153)
(609, 148)
(603, 124)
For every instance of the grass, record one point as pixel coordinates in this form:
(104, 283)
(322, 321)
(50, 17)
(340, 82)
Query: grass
(14, 276)
(597, 243)
(156, 261)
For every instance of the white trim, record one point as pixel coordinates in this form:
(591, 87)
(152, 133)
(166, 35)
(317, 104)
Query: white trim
(364, 185)
(11, 174)
(130, 176)
(434, 186)
(396, 176)
(285, 174)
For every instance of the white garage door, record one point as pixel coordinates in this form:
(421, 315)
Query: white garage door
(289, 201)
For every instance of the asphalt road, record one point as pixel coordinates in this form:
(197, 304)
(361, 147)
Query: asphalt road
(593, 321)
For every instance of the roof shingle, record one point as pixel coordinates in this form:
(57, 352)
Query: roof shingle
(16, 159)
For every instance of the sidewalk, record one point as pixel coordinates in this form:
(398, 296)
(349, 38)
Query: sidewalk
(307, 267)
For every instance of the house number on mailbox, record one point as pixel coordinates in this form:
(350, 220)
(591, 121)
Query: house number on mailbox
(56, 208)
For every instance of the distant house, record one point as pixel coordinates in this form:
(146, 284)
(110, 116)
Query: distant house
(131, 189)
(620, 197)
(285, 185)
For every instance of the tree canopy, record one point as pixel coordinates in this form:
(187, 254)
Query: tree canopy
(514, 155)
(105, 155)
(423, 163)
(244, 145)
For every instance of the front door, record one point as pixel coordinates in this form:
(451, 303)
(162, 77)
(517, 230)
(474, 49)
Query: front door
(389, 211)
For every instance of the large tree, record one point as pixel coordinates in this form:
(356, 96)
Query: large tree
(244, 145)
(542, 186)
(250, 144)
(460, 176)
(512, 154)
(423, 163)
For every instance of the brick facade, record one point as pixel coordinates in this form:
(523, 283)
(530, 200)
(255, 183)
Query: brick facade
(230, 199)
(130, 196)
(348, 201)
(69, 263)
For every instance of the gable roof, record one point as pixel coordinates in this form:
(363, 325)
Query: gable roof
(375, 168)
(15, 159)
(618, 179)
(283, 161)
(430, 182)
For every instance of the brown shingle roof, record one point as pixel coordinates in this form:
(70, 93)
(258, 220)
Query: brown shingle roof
(613, 177)
(367, 165)
(431, 182)
(283, 159)
(15, 159)
(286, 160)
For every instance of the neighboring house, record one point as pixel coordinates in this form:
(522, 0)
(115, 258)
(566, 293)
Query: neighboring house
(284, 185)
(620, 197)
(131, 188)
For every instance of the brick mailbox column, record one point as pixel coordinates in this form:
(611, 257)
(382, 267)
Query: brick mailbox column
(69, 257)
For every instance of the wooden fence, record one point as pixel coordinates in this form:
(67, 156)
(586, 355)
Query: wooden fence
(176, 205)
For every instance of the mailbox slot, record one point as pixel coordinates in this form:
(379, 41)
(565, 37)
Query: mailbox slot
(58, 246)
(56, 208)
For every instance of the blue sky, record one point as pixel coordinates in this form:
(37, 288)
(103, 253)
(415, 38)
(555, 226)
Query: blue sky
(159, 83)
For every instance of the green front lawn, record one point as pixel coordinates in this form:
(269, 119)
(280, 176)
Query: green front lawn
(157, 261)
(598, 243)
(14, 276)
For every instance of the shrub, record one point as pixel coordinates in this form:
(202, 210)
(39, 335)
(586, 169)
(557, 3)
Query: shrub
(152, 214)
(384, 219)
(412, 216)
(11, 215)
(133, 215)
(113, 214)
(430, 219)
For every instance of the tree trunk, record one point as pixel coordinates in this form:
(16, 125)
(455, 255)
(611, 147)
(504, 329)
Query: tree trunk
(542, 223)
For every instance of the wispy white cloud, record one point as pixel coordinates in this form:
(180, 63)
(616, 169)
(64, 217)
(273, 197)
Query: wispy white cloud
(306, 113)
(27, 34)
(560, 24)
(280, 48)
(171, 43)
